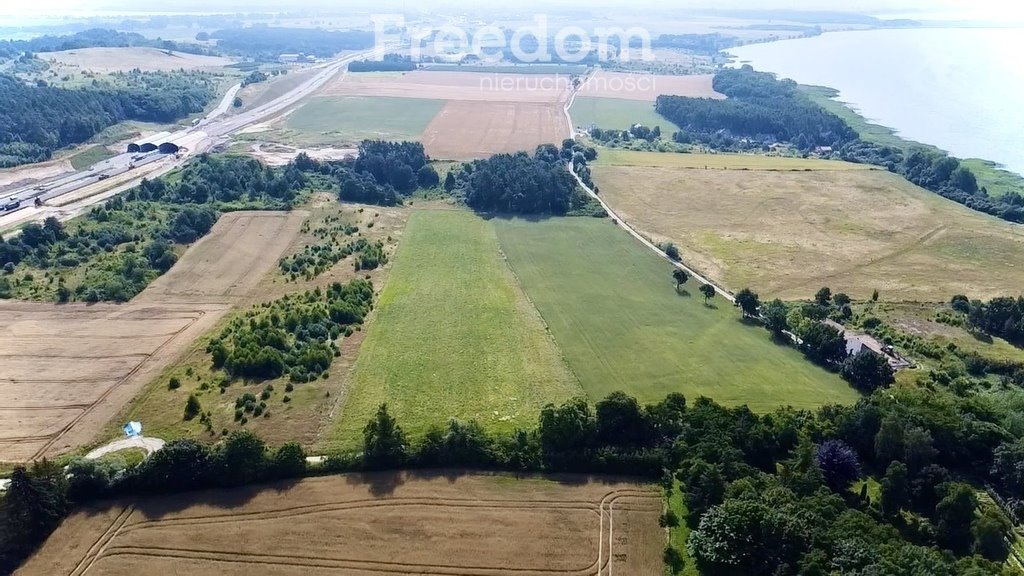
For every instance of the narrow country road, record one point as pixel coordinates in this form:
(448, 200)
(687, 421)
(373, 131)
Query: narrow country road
(625, 225)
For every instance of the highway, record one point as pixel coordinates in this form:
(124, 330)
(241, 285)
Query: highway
(211, 130)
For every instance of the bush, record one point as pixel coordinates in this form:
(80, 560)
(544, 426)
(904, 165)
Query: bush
(192, 407)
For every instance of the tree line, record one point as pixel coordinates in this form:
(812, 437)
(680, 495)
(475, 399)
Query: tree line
(93, 38)
(37, 120)
(939, 173)
(758, 107)
(390, 63)
(771, 494)
(269, 42)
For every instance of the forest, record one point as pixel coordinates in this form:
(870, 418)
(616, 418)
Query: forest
(268, 42)
(758, 107)
(115, 250)
(707, 44)
(37, 120)
(93, 38)
(523, 184)
(384, 173)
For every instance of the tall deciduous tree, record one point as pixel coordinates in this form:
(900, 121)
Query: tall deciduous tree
(384, 443)
(748, 301)
(708, 291)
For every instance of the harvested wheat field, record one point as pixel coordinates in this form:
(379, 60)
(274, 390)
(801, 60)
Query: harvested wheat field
(107, 60)
(66, 370)
(647, 86)
(787, 234)
(486, 87)
(230, 260)
(466, 129)
(358, 525)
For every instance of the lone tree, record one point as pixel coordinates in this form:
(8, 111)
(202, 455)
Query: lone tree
(680, 276)
(749, 302)
(708, 291)
(384, 443)
(824, 296)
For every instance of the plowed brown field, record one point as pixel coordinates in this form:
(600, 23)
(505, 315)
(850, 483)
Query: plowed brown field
(65, 370)
(372, 524)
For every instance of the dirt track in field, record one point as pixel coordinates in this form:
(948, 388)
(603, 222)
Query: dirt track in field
(465, 130)
(65, 370)
(430, 523)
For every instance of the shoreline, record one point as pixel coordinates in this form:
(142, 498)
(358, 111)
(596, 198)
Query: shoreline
(993, 176)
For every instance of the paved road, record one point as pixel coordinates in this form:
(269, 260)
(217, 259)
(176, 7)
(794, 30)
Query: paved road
(210, 131)
(150, 445)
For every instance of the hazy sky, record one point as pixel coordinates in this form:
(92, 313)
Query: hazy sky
(968, 9)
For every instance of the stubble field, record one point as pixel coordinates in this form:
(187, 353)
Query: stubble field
(66, 370)
(788, 233)
(372, 524)
(647, 87)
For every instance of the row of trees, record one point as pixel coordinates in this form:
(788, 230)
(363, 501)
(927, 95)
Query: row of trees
(767, 494)
(758, 107)
(294, 335)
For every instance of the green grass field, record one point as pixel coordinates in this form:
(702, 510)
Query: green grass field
(330, 120)
(454, 337)
(90, 156)
(617, 157)
(617, 114)
(989, 174)
(612, 307)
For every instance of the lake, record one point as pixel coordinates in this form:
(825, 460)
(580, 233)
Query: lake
(956, 88)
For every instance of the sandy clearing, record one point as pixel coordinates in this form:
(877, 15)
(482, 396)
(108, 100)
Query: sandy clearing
(465, 130)
(10, 177)
(106, 60)
(66, 370)
(437, 523)
(538, 88)
(647, 87)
